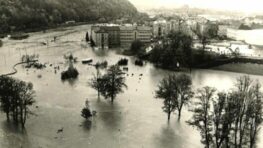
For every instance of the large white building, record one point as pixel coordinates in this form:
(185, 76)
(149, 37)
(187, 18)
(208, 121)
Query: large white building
(128, 34)
(114, 36)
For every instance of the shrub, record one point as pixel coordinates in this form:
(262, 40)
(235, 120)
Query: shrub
(39, 66)
(123, 62)
(139, 62)
(101, 65)
(71, 73)
(86, 113)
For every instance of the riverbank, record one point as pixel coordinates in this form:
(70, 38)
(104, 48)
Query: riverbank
(51, 27)
(246, 68)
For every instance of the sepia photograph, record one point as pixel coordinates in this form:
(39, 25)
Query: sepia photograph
(131, 74)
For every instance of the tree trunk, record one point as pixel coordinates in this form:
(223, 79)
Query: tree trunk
(7, 116)
(21, 115)
(112, 98)
(179, 115)
(206, 136)
(24, 120)
(179, 111)
(227, 142)
(169, 115)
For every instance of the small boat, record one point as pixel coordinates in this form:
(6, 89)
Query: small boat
(86, 61)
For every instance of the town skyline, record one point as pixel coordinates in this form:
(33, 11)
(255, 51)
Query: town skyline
(246, 6)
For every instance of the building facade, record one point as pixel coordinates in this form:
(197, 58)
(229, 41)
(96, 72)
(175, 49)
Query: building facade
(113, 35)
(116, 36)
(161, 28)
(100, 36)
(128, 34)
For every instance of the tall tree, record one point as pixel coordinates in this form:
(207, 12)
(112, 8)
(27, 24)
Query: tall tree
(183, 85)
(176, 92)
(243, 93)
(255, 113)
(221, 120)
(16, 97)
(202, 118)
(97, 82)
(167, 92)
(27, 95)
(114, 82)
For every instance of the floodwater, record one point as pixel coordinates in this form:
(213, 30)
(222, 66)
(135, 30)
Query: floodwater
(250, 36)
(134, 120)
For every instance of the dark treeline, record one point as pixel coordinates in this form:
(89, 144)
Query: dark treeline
(176, 50)
(18, 15)
(15, 97)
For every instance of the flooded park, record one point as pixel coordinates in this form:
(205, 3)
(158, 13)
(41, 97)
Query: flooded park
(135, 119)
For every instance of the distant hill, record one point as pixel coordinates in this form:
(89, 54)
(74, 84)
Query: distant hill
(192, 11)
(18, 15)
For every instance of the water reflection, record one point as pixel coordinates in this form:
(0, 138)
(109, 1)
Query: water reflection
(110, 114)
(167, 138)
(87, 124)
(71, 82)
(14, 135)
(100, 53)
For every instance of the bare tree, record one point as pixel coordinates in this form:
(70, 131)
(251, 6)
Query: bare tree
(255, 113)
(202, 118)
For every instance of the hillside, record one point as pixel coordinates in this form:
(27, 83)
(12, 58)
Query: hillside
(30, 14)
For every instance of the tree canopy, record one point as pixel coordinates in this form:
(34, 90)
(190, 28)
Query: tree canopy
(15, 97)
(25, 14)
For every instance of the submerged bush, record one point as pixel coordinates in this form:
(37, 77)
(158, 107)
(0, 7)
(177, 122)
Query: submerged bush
(139, 62)
(29, 58)
(86, 113)
(101, 65)
(35, 65)
(71, 73)
(123, 62)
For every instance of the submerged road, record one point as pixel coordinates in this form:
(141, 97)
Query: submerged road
(14, 68)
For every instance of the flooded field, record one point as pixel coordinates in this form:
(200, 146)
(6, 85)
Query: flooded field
(134, 120)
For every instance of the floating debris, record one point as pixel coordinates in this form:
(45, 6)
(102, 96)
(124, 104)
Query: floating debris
(60, 130)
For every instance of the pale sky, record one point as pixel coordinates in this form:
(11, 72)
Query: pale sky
(247, 6)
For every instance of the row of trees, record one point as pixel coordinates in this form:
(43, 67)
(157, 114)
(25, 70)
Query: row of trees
(224, 119)
(16, 97)
(175, 90)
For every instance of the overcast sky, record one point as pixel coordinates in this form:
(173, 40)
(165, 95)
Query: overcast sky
(248, 6)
